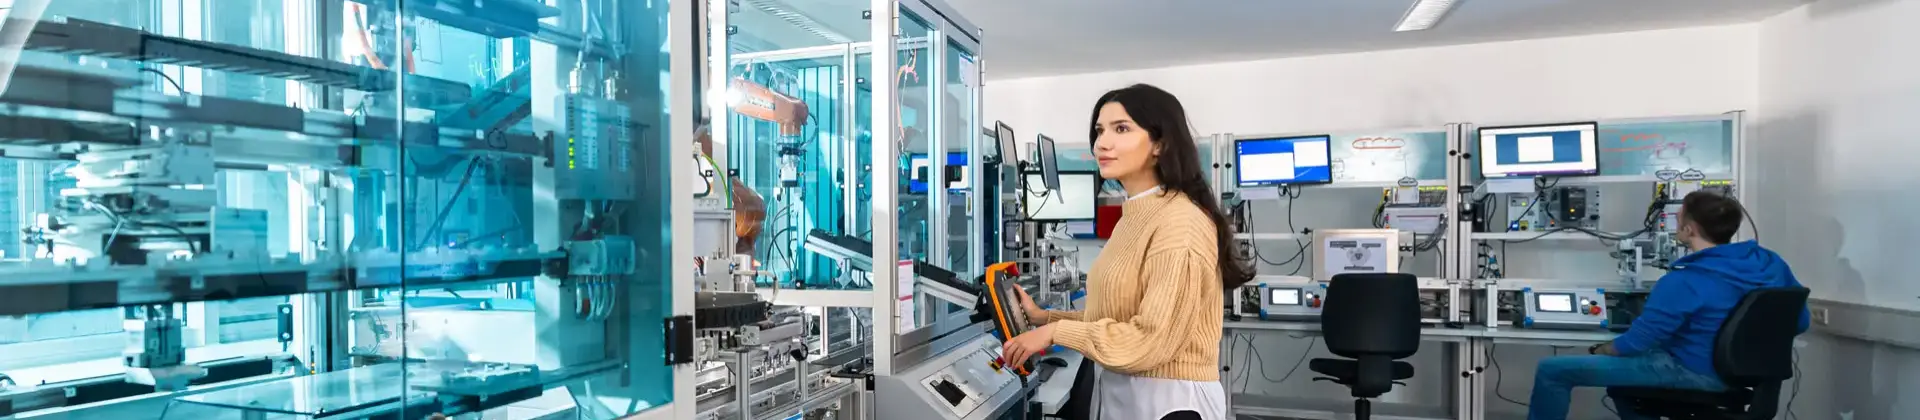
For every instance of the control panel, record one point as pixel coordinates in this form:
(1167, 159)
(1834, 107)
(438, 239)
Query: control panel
(961, 384)
(593, 161)
(1288, 301)
(964, 386)
(1564, 308)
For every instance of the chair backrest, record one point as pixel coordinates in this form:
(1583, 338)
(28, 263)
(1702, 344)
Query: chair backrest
(1374, 314)
(1755, 344)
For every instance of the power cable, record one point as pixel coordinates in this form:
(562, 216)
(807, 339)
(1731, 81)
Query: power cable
(1499, 377)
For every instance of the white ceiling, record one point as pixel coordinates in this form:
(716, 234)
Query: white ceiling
(1052, 37)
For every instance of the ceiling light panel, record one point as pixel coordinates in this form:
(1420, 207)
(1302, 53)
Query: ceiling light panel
(1424, 14)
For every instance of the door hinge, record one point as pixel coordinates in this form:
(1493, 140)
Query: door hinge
(679, 333)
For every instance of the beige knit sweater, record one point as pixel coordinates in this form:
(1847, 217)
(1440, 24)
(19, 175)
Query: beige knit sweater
(1153, 298)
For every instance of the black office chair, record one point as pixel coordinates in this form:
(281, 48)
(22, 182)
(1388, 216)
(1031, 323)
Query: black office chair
(1753, 354)
(1373, 320)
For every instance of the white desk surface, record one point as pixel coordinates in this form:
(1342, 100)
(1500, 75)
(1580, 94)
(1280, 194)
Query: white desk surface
(1053, 394)
(1498, 335)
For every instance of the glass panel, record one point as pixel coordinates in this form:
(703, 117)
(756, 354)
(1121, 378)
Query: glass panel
(133, 169)
(961, 128)
(1388, 157)
(795, 137)
(529, 211)
(1648, 148)
(222, 184)
(912, 128)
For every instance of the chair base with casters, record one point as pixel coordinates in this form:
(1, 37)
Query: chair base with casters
(1737, 403)
(1347, 373)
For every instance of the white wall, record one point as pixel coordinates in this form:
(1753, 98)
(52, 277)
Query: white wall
(1641, 74)
(1840, 93)
(1839, 110)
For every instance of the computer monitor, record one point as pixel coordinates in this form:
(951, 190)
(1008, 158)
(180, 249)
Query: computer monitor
(1532, 150)
(1049, 163)
(1008, 150)
(1275, 161)
(1074, 201)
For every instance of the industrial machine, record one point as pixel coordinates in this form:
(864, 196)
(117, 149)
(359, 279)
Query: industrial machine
(1417, 209)
(1563, 308)
(361, 209)
(1342, 251)
(1282, 298)
(1554, 208)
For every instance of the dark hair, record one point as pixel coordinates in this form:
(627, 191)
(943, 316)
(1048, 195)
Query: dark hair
(1178, 168)
(1718, 217)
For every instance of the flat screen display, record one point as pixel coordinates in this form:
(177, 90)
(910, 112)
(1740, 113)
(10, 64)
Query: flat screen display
(1008, 151)
(1049, 162)
(1073, 201)
(1283, 161)
(1283, 297)
(1553, 302)
(1559, 149)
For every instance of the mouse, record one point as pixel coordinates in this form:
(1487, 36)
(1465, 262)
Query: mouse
(1054, 361)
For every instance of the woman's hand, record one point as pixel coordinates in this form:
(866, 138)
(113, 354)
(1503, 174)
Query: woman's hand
(1034, 314)
(1016, 351)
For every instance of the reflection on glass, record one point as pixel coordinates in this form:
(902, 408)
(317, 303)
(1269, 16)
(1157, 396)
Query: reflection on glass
(912, 130)
(962, 136)
(797, 135)
(299, 196)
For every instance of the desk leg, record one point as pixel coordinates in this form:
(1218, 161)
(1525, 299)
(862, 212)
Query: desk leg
(1460, 364)
(1226, 377)
(1476, 380)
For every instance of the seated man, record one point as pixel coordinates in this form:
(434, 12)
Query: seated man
(1671, 344)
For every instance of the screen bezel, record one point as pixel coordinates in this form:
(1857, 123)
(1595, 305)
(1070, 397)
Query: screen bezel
(1486, 150)
(1026, 197)
(1573, 303)
(1238, 169)
(1299, 296)
(1007, 144)
(1050, 164)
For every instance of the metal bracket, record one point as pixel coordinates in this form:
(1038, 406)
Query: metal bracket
(679, 333)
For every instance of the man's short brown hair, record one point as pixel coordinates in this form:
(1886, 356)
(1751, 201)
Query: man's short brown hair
(1718, 217)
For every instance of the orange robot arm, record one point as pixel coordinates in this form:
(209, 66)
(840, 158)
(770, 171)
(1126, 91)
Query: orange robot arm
(749, 209)
(758, 102)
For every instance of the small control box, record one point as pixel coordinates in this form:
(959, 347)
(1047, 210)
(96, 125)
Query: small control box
(1564, 308)
(1289, 301)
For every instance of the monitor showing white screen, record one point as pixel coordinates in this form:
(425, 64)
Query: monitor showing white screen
(1283, 297)
(1073, 201)
(1283, 161)
(1553, 302)
(1559, 149)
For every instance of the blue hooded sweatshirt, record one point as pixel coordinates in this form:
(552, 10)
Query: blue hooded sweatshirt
(1687, 306)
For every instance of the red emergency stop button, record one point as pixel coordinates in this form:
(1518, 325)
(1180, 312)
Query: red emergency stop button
(1593, 310)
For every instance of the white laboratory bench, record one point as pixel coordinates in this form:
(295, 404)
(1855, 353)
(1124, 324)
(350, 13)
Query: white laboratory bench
(1469, 355)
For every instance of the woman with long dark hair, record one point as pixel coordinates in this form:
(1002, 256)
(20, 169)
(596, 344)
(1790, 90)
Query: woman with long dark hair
(1154, 297)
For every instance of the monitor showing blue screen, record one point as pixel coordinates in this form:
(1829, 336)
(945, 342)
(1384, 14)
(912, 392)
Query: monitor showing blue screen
(918, 164)
(1559, 149)
(1283, 161)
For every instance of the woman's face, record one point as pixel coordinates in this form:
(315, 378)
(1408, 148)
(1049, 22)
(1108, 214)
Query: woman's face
(1123, 149)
